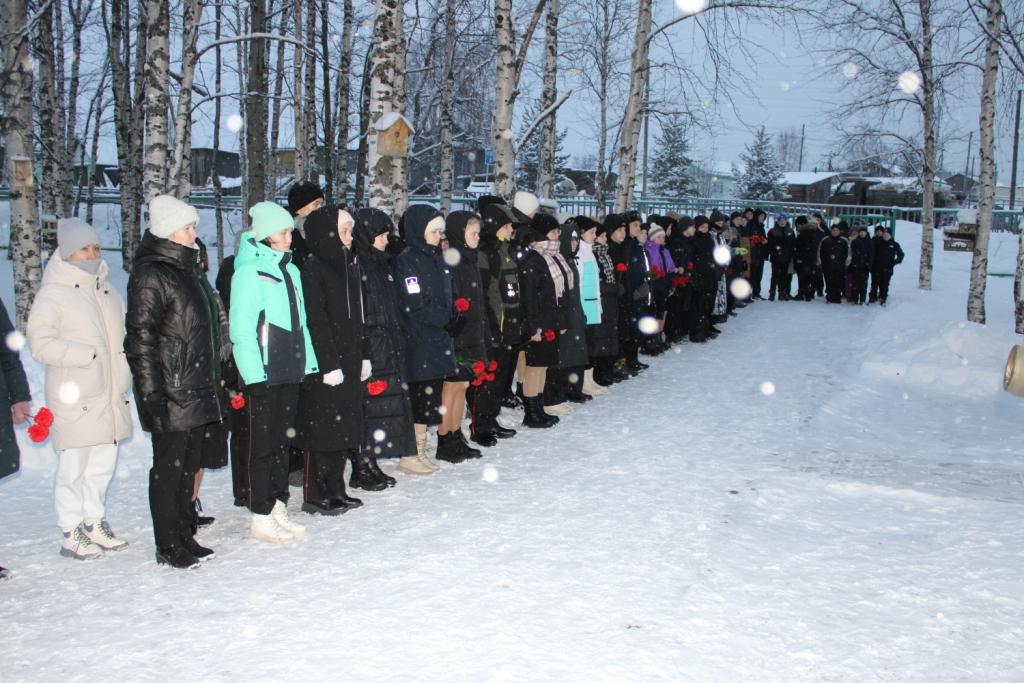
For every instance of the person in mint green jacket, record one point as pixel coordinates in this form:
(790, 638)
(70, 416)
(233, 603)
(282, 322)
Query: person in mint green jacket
(273, 353)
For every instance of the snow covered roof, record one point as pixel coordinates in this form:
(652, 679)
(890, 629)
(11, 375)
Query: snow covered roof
(806, 177)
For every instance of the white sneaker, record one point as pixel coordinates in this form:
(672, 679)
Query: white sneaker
(77, 545)
(265, 528)
(591, 387)
(101, 534)
(280, 515)
(564, 408)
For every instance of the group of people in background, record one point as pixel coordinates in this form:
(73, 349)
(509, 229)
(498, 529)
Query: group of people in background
(836, 262)
(335, 338)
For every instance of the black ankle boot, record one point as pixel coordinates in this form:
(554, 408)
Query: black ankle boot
(362, 474)
(503, 433)
(379, 473)
(535, 416)
(448, 448)
(465, 449)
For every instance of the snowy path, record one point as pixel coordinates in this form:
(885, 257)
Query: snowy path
(852, 526)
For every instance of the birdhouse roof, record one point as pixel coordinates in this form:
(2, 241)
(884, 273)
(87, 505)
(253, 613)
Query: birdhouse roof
(389, 119)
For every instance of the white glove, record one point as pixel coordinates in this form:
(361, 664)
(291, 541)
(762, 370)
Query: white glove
(333, 378)
(366, 371)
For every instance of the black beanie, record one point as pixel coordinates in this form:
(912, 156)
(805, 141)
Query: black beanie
(700, 220)
(301, 194)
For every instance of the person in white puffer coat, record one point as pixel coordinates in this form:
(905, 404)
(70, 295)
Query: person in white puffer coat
(76, 329)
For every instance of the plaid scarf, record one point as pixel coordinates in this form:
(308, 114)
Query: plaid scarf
(557, 266)
(606, 263)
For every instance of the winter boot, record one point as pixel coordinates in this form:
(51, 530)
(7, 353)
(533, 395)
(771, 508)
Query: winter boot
(560, 409)
(379, 473)
(280, 515)
(78, 546)
(330, 507)
(99, 533)
(449, 448)
(199, 552)
(590, 386)
(485, 439)
(265, 528)
(176, 556)
(411, 464)
(201, 520)
(535, 416)
(467, 451)
(342, 499)
(502, 432)
(362, 474)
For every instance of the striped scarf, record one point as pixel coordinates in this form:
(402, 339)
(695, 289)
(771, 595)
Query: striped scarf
(557, 266)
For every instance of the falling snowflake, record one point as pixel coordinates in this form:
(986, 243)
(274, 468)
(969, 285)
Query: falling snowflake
(290, 432)
(573, 377)
(723, 255)
(379, 435)
(785, 85)
(740, 288)
(234, 123)
(648, 325)
(691, 6)
(768, 388)
(68, 393)
(506, 134)
(452, 257)
(850, 70)
(15, 341)
(490, 474)
(909, 82)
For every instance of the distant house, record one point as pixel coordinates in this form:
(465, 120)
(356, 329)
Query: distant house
(962, 185)
(810, 187)
(585, 180)
(717, 183)
(104, 175)
(228, 166)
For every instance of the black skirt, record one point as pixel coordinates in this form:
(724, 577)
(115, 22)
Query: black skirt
(542, 354)
(425, 397)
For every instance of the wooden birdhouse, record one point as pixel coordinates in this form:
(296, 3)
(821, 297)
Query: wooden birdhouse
(393, 131)
(961, 235)
(22, 176)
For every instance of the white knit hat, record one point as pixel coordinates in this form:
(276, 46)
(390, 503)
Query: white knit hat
(654, 231)
(526, 202)
(168, 215)
(74, 234)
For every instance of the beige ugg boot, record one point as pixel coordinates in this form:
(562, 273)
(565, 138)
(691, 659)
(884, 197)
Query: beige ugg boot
(419, 463)
(563, 408)
(591, 387)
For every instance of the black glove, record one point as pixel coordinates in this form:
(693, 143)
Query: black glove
(256, 390)
(155, 406)
(455, 326)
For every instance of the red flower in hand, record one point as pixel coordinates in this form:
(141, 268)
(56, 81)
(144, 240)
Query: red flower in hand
(44, 417)
(549, 335)
(492, 366)
(237, 402)
(376, 387)
(479, 368)
(462, 304)
(657, 272)
(38, 432)
(621, 267)
(681, 281)
(689, 265)
(489, 377)
(477, 382)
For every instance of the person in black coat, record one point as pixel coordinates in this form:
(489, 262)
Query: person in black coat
(329, 425)
(862, 254)
(780, 254)
(805, 258)
(545, 280)
(888, 254)
(834, 256)
(499, 275)
(304, 197)
(603, 339)
(703, 281)
(172, 348)
(14, 405)
(424, 285)
(564, 381)
(758, 249)
(388, 430)
(620, 251)
(876, 240)
(462, 232)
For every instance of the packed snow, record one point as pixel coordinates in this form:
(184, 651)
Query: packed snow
(823, 493)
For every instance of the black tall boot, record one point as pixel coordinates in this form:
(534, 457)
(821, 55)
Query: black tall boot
(535, 416)
(363, 476)
(340, 496)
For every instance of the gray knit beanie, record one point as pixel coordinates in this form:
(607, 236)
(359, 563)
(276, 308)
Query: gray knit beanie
(74, 234)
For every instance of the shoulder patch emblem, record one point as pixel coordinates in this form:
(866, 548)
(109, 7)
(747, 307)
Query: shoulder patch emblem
(412, 285)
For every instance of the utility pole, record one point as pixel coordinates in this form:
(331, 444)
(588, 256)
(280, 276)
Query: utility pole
(1016, 142)
(967, 164)
(800, 165)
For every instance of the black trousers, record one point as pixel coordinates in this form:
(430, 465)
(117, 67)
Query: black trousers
(484, 401)
(271, 428)
(880, 285)
(819, 282)
(860, 285)
(555, 390)
(806, 282)
(324, 476)
(782, 280)
(835, 284)
(701, 305)
(756, 275)
(172, 477)
(239, 450)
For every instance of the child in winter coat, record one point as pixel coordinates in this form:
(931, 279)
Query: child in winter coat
(603, 339)
(834, 257)
(887, 255)
(274, 353)
(590, 295)
(76, 329)
(861, 261)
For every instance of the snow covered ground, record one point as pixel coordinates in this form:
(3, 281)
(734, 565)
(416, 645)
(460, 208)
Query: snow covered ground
(861, 522)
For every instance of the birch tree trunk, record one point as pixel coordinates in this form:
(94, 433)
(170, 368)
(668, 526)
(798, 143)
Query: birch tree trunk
(275, 103)
(16, 93)
(634, 109)
(325, 56)
(447, 110)
(546, 163)
(504, 101)
(255, 107)
(218, 193)
(924, 280)
(400, 165)
(381, 101)
(51, 134)
(301, 166)
(344, 101)
(94, 147)
(1018, 281)
(181, 160)
(309, 96)
(363, 155)
(154, 170)
(987, 181)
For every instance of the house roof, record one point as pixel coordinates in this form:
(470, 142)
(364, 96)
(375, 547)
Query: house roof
(807, 177)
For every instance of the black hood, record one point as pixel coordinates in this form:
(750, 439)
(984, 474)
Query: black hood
(322, 236)
(157, 249)
(414, 224)
(569, 232)
(369, 224)
(455, 227)
(492, 217)
(489, 200)
(540, 226)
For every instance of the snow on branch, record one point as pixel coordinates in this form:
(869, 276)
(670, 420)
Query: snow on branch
(540, 119)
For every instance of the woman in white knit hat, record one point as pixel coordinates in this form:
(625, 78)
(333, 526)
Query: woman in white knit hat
(172, 345)
(76, 329)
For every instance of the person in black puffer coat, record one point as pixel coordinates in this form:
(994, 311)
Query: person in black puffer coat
(388, 430)
(780, 254)
(564, 381)
(834, 256)
(330, 414)
(620, 251)
(805, 258)
(888, 255)
(862, 254)
(172, 347)
(603, 339)
(424, 285)
(499, 275)
(462, 231)
(545, 282)
(704, 281)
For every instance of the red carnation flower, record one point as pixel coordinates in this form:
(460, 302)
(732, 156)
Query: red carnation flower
(549, 335)
(44, 417)
(621, 267)
(657, 272)
(462, 304)
(492, 366)
(376, 387)
(689, 265)
(682, 281)
(477, 382)
(237, 402)
(479, 367)
(38, 432)
(489, 377)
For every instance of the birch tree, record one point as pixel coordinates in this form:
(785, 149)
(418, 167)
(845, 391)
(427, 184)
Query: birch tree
(255, 171)
(993, 12)
(448, 110)
(344, 100)
(383, 66)
(546, 165)
(16, 92)
(154, 170)
(180, 179)
(325, 62)
(631, 120)
(399, 165)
